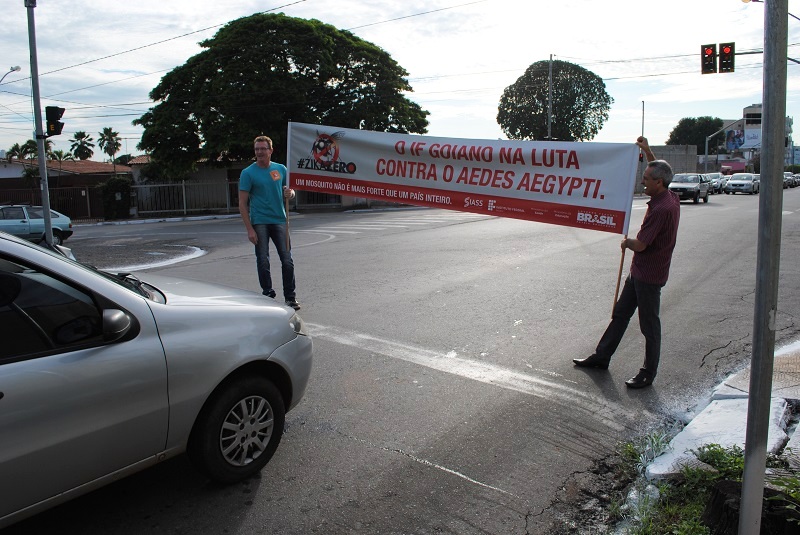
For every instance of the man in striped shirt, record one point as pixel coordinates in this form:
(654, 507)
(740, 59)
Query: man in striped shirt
(652, 254)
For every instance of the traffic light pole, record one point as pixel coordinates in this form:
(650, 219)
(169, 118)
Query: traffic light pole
(40, 137)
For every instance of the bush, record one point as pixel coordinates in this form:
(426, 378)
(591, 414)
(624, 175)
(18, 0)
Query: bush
(116, 194)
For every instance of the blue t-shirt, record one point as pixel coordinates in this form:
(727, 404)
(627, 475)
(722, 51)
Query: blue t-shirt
(266, 193)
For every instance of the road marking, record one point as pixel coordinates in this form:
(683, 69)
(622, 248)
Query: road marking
(598, 407)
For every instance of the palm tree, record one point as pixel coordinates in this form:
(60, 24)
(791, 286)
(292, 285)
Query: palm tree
(60, 156)
(82, 145)
(14, 152)
(110, 143)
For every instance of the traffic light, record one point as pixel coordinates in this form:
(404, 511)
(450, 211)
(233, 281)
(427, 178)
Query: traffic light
(708, 57)
(53, 114)
(726, 53)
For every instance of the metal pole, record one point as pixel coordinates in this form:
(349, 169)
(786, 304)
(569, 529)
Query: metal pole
(550, 99)
(40, 137)
(767, 264)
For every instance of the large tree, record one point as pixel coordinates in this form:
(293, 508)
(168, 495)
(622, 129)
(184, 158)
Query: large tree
(82, 145)
(260, 72)
(579, 104)
(693, 131)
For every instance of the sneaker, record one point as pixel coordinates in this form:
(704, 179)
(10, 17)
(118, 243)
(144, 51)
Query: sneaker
(270, 293)
(293, 303)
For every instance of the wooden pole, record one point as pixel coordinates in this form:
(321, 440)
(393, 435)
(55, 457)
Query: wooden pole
(288, 239)
(619, 276)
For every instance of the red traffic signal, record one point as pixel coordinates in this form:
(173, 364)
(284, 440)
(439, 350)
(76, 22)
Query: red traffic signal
(708, 59)
(727, 51)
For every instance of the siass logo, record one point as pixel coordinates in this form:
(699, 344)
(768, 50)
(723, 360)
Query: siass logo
(473, 202)
(596, 219)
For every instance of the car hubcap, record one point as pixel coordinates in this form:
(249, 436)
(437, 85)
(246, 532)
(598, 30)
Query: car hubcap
(246, 430)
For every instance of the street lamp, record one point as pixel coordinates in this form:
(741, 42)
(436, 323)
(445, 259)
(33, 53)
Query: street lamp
(13, 69)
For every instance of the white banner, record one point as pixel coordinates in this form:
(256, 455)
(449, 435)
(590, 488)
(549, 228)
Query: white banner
(584, 185)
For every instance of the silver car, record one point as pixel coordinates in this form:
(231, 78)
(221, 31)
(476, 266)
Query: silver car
(103, 375)
(742, 183)
(691, 186)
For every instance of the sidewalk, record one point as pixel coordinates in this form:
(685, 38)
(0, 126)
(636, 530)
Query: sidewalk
(724, 420)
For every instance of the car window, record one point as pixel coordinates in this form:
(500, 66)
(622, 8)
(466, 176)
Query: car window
(13, 212)
(686, 178)
(36, 212)
(45, 314)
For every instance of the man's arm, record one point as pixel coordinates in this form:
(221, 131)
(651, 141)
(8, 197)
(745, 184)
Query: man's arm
(634, 245)
(645, 146)
(244, 211)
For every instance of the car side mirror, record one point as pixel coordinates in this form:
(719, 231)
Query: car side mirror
(116, 324)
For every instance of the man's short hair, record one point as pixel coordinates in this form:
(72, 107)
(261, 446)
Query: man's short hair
(263, 139)
(661, 171)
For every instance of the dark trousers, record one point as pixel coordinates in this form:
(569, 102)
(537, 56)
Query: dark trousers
(647, 298)
(276, 233)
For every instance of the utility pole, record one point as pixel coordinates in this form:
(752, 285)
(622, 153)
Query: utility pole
(40, 137)
(773, 127)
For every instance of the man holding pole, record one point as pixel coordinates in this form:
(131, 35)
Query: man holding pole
(263, 203)
(652, 254)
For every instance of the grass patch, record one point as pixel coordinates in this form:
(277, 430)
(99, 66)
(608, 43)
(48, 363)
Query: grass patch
(676, 507)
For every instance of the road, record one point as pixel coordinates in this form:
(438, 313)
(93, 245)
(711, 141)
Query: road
(443, 397)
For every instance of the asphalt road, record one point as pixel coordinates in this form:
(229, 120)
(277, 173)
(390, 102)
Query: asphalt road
(443, 397)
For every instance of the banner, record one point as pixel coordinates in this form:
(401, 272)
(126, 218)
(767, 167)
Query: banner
(584, 185)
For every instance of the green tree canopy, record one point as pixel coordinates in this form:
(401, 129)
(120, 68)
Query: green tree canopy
(693, 131)
(580, 103)
(260, 72)
(82, 145)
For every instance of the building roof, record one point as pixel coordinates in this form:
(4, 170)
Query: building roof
(140, 160)
(80, 167)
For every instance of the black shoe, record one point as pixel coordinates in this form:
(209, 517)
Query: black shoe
(293, 303)
(270, 293)
(643, 378)
(592, 361)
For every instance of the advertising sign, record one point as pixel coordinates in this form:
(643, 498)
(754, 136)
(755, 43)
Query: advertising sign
(583, 185)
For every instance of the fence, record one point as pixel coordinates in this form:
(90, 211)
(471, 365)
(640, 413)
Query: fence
(155, 200)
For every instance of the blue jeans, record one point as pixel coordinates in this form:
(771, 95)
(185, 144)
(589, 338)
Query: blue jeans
(647, 298)
(276, 233)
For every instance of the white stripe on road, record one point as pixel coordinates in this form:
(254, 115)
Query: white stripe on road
(599, 407)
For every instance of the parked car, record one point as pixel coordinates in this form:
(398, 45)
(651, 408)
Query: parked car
(691, 186)
(103, 375)
(28, 222)
(716, 181)
(722, 182)
(742, 183)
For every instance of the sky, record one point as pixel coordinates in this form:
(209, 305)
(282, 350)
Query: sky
(100, 60)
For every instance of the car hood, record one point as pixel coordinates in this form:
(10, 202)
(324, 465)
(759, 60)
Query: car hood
(190, 292)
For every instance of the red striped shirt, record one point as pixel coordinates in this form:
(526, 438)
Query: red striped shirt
(658, 232)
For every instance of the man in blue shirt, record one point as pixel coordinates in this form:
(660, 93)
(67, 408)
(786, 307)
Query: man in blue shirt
(263, 188)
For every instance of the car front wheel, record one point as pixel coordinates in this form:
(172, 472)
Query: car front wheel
(705, 199)
(238, 430)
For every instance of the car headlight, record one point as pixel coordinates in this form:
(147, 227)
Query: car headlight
(298, 325)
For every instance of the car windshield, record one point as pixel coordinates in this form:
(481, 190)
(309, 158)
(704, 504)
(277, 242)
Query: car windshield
(747, 178)
(686, 178)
